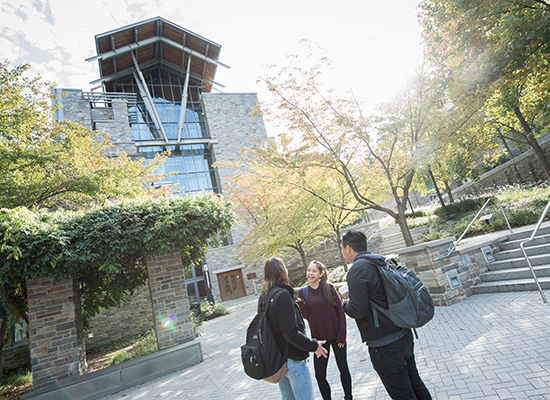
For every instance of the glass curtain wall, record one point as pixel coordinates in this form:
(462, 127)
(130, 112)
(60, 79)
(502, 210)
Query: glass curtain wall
(190, 163)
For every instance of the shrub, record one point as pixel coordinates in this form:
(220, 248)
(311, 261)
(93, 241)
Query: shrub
(336, 275)
(211, 311)
(196, 322)
(118, 357)
(417, 214)
(462, 206)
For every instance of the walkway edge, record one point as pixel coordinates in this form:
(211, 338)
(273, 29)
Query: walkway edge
(122, 376)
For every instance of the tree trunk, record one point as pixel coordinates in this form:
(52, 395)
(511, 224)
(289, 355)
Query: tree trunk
(2, 334)
(79, 320)
(533, 142)
(449, 192)
(405, 231)
(339, 244)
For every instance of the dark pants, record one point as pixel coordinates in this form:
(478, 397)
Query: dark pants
(396, 367)
(320, 364)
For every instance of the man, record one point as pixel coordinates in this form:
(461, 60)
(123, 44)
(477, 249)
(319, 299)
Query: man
(391, 348)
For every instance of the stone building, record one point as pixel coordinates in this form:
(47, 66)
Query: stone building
(148, 71)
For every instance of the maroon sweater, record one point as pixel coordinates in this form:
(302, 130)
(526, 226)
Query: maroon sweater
(326, 321)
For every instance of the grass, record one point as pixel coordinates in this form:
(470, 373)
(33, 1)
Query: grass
(522, 205)
(16, 382)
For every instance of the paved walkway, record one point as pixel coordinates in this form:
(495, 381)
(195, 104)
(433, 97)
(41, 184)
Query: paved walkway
(490, 346)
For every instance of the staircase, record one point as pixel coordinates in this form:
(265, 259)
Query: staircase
(510, 271)
(393, 239)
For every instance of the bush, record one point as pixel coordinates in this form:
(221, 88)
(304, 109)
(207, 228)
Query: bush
(211, 311)
(417, 214)
(462, 206)
(522, 207)
(336, 275)
(119, 356)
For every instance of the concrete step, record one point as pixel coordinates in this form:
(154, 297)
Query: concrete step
(522, 233)
(536, 250)
(516, 273)
(515, 285)
(519, 262)
(515, 244)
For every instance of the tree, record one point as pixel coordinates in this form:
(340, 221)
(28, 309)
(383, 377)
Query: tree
(51, 164)
(375, 155)
(280, 215)
(497, 55)
(290, 207)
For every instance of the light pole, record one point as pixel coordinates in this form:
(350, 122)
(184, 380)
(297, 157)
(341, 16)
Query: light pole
(445, 211)
(206, 272)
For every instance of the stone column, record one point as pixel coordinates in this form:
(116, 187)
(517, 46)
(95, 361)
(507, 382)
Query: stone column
(55, 351)
(169, 300)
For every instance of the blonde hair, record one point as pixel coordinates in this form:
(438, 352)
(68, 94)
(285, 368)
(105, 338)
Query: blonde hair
(274, 270)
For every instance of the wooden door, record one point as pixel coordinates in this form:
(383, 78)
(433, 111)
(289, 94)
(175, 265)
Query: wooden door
(231, 285)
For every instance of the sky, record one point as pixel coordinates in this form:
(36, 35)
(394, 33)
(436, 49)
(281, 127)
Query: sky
(374, 45)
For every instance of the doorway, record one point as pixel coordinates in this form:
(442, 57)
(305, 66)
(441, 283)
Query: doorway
(231, 285)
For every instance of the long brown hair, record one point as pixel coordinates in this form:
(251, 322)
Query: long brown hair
(274, 270)
(323, 281)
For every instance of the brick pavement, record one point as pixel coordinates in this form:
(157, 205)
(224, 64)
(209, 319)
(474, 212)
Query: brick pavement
(490, 346)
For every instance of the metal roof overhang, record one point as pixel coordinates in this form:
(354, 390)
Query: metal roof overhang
(155, 41)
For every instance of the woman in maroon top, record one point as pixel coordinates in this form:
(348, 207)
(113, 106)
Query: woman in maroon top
(322, 307)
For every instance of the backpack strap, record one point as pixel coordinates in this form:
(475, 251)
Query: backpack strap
(304, 292)
(265, 303)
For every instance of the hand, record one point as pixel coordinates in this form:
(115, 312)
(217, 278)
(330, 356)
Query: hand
(298, 300)
(321, 351)
(341, 345)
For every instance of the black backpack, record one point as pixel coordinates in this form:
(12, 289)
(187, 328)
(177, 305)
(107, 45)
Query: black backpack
(409, 302)
(260, 355)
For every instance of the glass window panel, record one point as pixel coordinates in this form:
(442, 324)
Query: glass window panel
(202, 290)
(189, 164)
(198, 163)
(178, 163)
(188, 273)
(171, 130)
(194, 130)
(191, 293)
(193, 182)
(203, 180)
(169, 165)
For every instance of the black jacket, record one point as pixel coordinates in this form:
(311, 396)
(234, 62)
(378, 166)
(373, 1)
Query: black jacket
(287, 324)
(364, 285)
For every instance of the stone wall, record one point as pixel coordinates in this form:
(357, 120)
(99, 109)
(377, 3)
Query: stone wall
(436, 273)
(233, 122)
(133, 317)
(15, 355)
(523, 169)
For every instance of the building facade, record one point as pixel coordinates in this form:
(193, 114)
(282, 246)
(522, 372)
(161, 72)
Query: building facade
(155, 94)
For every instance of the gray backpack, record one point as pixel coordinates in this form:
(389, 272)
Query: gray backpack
(409, 302)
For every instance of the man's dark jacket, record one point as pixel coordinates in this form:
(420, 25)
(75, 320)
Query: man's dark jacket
(287, 324)
(364, 285)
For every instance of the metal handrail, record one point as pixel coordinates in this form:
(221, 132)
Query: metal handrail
(525, 254)
(471, 223)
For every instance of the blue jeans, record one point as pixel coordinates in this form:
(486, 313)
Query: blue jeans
(296, 385)
(396, 367)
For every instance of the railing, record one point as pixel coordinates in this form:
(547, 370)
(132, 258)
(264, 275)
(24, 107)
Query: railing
(471, 223)
(535, 231)
(103, 99)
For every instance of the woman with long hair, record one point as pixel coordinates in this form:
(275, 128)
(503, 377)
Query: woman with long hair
(288, 328)
(322, 307)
